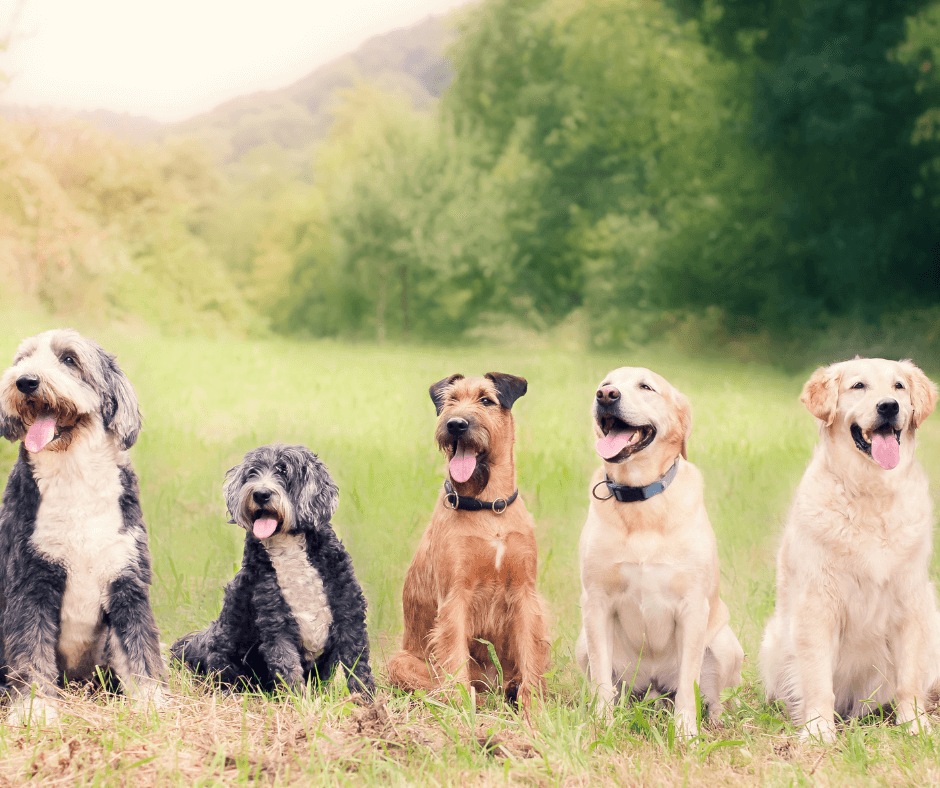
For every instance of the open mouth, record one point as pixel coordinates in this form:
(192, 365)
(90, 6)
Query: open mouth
(621, 440)
(266, 523)
(46, 430)
(463, 461)
(882, 444)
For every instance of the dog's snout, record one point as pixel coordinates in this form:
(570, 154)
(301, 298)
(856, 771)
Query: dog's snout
(261, 496)
(888, 408)
(607, 394)
(27, 383)
(457, 426)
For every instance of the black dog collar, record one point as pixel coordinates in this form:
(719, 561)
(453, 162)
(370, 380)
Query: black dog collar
(454, 501)
(627, 494)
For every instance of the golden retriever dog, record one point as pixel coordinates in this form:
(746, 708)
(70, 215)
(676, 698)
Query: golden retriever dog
(473, 576)
(856, 625)
(653, 621)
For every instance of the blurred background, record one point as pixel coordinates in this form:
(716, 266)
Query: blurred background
(723, 176)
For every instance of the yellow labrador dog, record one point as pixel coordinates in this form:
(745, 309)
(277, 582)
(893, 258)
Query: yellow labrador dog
(652, 620)
(856, 623)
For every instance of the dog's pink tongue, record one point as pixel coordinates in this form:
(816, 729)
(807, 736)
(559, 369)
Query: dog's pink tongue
(462, 465)
(886, 450)
(612, 444)
(265, 527)
(39, 435)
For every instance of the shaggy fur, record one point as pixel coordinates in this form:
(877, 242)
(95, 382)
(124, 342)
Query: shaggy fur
(473, 575)
(294, 611)
(856, 623)
(653, 620)
(74, 562)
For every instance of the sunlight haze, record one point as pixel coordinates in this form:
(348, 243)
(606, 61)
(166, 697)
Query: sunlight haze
(178, 58)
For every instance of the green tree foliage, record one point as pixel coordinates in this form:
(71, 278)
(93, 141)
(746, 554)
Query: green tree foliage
(95, 227)
(419, 232)
(843, 101)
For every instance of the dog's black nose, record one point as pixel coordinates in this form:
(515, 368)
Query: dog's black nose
(261, 496)
(457, 426)
(27, 383)
(607, 394)
(888, 408)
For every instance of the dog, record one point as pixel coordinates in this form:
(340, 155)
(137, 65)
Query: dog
(473, 576)
(74, 562)
(855, 625)
(652, 618)
(294, 611)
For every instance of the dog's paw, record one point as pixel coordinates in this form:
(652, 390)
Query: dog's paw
(35, 710)
(147, 695)
(912, 718)
(686, 726)
(819, 730)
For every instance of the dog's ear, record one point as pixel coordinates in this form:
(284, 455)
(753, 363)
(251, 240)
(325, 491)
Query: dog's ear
(923, 393)
(821, 393)
(317, 495)
(684, 419)
(230, 489)
(508, 388)
(439, 390)
(12, 428)
(119, 411)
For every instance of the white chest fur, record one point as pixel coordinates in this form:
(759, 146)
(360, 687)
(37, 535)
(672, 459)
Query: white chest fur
(303, 590)
(78, 526)
(647, 605)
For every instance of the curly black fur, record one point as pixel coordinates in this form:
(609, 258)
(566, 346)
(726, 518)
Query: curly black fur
(256, 640)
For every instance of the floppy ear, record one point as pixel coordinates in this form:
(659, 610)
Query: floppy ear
(439, 389)
(317, 496)
(119, 411)
(230, 491)
(821, 394)
(923, 393)
(12, 428)
(508, 388)
(684, 416)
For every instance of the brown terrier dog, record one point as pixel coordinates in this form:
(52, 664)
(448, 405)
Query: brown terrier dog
(473, 576)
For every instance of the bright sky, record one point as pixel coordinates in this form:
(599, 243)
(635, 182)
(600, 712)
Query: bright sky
(175, 58)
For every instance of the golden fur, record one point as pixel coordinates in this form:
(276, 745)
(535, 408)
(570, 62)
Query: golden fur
(652, 616)
(473, 575)
(856, 623)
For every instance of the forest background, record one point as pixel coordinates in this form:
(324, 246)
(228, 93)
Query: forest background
(551, 188)
(759, 176)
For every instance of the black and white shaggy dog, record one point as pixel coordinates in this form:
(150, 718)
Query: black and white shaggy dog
(295, 609)
(74, 562)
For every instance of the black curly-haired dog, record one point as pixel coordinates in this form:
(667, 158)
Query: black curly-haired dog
(295, 609)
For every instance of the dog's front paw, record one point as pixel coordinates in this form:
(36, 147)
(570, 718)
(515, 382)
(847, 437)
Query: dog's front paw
(819, 729)
(911, 716)
(149, 696)
(686, 725)
(35, 709)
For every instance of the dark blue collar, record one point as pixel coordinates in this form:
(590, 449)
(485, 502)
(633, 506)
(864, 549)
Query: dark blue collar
(627, 494)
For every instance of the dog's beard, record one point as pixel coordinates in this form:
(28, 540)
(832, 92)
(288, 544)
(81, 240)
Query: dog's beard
(263, 521)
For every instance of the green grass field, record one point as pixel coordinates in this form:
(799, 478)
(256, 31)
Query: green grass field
(365, 410)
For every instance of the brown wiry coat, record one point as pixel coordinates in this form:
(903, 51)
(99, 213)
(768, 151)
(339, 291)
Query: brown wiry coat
(473, 575)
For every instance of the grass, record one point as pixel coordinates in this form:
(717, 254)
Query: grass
(365, 410)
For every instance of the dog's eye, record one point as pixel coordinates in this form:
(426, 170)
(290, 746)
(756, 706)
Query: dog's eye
(487, 401)
(899, 385)
(645, 387)
(69, 360)
(281, 469)
(859, 385)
